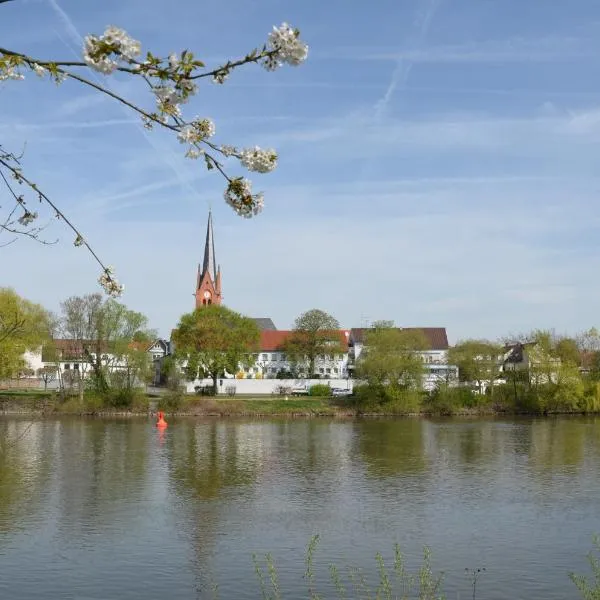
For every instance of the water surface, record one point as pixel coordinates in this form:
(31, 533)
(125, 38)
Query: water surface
(98, 509)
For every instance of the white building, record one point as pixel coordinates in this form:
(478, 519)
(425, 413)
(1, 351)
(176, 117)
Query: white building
(435, 356)
(70, 357)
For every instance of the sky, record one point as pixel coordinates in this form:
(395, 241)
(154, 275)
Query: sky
(438, 163)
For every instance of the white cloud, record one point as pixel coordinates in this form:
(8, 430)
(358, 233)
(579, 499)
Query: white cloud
(545, 49)
(473, 268)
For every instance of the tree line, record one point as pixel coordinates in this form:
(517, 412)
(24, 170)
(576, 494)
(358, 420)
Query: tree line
(537, 372)
(103, 340)
(107, 344)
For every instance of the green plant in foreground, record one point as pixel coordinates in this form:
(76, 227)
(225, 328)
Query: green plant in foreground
(401, 584)
(590, 590)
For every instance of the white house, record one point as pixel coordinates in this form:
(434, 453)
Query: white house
(435, 356)
(69, 356)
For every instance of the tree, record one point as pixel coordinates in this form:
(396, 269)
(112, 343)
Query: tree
(390, 362)
(101, 334)
(478, 361)
(47, 374)
(315, 333)
(214, 340)
(23, 326)
(567, 350)
(172, 82)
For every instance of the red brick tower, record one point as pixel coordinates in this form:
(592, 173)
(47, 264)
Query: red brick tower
(208, 285)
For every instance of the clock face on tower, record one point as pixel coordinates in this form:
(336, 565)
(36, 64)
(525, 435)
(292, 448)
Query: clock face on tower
(207, 294)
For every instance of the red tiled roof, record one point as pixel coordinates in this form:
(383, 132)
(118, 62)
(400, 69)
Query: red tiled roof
(436, 336)
(73, 348)
(274, 340)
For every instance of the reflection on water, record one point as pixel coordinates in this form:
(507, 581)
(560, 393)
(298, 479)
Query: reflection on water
(114, 508)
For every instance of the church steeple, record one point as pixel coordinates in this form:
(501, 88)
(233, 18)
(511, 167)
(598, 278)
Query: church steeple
(210, 263)
(208, 286)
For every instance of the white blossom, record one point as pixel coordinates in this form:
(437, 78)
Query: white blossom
(239, 196)
(109, 283)
(256, 159)
(11, 72)
(27, 218)
(98, 52)
(221, 76)
(196, 131)
(187, 135)
(187, 86)
(205, 127)
(286, 46)
(39, 70)
(194, 153)
(165, 94)
(96, 59)
(173, 60)
(127, 46)
(228, 150)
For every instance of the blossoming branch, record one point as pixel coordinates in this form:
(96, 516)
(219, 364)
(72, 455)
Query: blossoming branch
(172, 81)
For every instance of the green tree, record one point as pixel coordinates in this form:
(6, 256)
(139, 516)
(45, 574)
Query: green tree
(554, 378)
(23, 326)
(390, 362)
(316, 333)
(101, 334)
(215, 340)
(477, 361)
(567, 350)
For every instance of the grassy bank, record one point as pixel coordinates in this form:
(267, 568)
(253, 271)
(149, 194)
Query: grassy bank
(193, 405)
(413, 404)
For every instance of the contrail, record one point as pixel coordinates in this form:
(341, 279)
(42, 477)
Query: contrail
(401, 72)
(166, 154)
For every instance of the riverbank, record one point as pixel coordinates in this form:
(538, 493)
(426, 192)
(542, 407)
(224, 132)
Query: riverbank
(49, 403)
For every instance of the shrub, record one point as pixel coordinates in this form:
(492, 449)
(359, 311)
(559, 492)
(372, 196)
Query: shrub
(386, 399)
(319, 389)
(448, 401)
(122, 398)
(171, 401)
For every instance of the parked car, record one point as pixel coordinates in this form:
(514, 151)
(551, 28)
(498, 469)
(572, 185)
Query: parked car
(300, 390)
(340, 392)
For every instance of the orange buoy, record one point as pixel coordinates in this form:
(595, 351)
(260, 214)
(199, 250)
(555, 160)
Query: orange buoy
(161, 419)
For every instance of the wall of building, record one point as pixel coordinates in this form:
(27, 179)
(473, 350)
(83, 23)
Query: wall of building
(267, 386)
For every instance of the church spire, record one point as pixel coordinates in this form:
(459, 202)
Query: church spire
(210, 262)
(208, 285)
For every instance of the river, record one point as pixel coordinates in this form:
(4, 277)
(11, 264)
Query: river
(114, 509)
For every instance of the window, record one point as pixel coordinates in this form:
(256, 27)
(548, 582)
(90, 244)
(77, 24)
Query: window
(76, 366)
(274, 357)
(328, 370)
(321, 370)
(283, 357)
(335, 370)
(67, 366)
(265, 357)
(272, 370)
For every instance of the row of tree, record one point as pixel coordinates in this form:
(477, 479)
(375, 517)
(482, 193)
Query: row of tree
(536, 372)
(108, 342)
(104, 339)
(214, 340)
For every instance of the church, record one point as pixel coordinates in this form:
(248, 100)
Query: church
(271, 360)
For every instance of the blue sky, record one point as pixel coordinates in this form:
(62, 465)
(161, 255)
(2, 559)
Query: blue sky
(438, 162)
